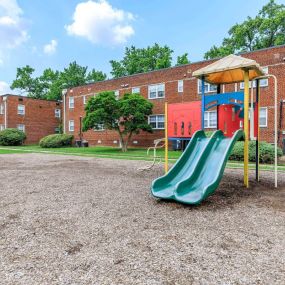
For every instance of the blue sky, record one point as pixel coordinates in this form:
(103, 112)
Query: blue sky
(52, 33)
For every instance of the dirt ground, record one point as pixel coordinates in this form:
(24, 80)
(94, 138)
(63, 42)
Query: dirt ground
(74, 220)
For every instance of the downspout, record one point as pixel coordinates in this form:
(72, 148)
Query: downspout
(5, 112)
(64, 92)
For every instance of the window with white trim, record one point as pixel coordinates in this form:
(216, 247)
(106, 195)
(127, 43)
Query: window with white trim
(263, 115)
(156, 91)
(180, 86)
(1, 109)
(262, 82)
(99, 127)
(2, 127)
(84, 100)
(117, 94)
(136, 90)
(21, 127)
(21, 109)
(71, 125)
(210, 119)
(156, 121)
(71, 102)
(57, 113)
(209, 88)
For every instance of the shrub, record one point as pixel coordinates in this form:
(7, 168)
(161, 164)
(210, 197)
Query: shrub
(56, 140)
(12, 137)
(266, 152)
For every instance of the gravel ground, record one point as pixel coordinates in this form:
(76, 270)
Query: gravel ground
(74, 220)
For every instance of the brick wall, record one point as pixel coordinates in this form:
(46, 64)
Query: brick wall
(39, 118)
(273, 58)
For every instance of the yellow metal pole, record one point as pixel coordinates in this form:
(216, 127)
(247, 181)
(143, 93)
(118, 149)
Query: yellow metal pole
(166, 137)
(246, 102)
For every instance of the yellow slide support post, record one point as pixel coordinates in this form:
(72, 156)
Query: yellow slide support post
(166, 137)
(246, 102)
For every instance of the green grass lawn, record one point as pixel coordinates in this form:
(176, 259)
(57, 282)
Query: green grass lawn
(112, 152)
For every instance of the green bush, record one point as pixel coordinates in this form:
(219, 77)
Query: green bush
(12, 137)
(266, 152)
(56, 140)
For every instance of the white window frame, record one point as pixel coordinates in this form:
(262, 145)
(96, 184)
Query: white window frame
(71, 102)
(100, 128)
(136, 90)
(84, 99)
(21, 109)
(262, 82)
(156, 88)
(57, 113)
(71, 125)
(2, 109)
(117, 94)
(2, 127)
(21, 127)
(207, 119)
(156, 121)
(209, 88)
(266, 117)
(180, 86)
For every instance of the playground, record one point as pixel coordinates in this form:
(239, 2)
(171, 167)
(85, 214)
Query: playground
(63, 221)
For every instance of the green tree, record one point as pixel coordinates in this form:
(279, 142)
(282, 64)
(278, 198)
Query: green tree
(127, 115)
(50, 84)
(267, 29)
(137, 60)
(182, 59)
(94, 76)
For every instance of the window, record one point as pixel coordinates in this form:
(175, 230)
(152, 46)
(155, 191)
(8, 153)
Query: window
(1, 109)
(180, 86)
(263, 117)
(71, 102)
(262, 82)
(2, 127)
(57, 113)
(156, 91)
(57, 130)
(99, 127)
(21, 127)
(21, 109)
(210, 119)
(71, 126)
(84, 99)
(136, 90)
(117, 94)
(156, 121)
(209, 88)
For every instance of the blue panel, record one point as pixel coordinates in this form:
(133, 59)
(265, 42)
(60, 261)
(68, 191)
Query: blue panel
(223, 98)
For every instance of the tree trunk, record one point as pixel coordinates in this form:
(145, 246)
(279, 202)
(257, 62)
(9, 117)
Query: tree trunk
(124, 143)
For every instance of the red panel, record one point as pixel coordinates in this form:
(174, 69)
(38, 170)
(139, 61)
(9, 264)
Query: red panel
(184, 119)
(229, 120)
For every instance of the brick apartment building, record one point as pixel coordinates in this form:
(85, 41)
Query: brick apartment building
(37, 118)
(175, 85)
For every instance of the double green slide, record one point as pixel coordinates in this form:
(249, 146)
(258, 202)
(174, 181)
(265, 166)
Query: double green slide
(199, 170)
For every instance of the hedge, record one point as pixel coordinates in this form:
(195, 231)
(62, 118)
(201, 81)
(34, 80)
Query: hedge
(56, 140)
(12, 137)
(266, 152)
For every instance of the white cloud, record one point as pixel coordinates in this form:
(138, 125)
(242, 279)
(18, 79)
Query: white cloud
(51, 47)
(101, 23)
(4, 88)
(12, 26)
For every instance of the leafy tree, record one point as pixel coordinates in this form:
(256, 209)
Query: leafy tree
(94, 76)
(267, 29)
(127, 115)
(183, 59)
(50, 84)
(137, 60)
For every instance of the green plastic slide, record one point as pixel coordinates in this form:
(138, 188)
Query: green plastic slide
(199, 170)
